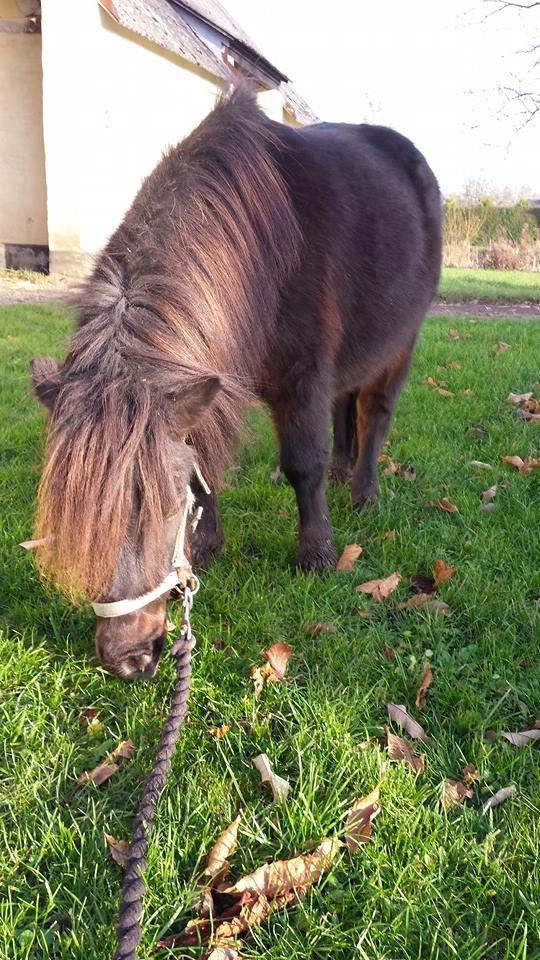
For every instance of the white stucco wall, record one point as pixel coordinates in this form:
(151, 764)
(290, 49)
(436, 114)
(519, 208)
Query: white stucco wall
(23, 207)
(111, 103)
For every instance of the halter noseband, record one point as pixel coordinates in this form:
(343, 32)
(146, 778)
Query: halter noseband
(181, 574)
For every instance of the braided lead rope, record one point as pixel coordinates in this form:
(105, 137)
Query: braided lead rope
(133, 890)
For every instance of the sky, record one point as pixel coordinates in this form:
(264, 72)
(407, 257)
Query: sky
(431, 69)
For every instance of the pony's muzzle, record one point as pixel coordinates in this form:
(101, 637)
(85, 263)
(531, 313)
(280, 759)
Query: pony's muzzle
(131, 646)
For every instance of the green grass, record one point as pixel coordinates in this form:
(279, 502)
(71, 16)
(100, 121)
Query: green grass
(429, 884)
(458, 286)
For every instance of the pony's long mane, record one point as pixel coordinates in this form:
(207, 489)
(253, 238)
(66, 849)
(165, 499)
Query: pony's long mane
(188, 285)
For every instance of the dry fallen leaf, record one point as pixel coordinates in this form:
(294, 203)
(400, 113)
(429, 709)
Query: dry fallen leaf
(280, 787)
(522, 737)
(223, 953)
(389, 653)
(398, 713)
(390, 535)
(400, 749)
(99, 774)
(359, 818)
(425, 601)
(453, 335)
(503, 794)
(118, 850)
(470, 774)
(380, 589)
(445, 393)
(219, 732)
(33, 544)
(445, 504)
(524, 466)
(392, 466)
(284, 876)
(427, 680)
(321, 626)
(349, 556)
(442, 572)
(409, 473)
(224, 846)
(502, 347)
(517, 398)
(277, 657)
(455, 793)
(489, 494)
(432, 382)
(275, 476)
(107, 768)
(480, 465)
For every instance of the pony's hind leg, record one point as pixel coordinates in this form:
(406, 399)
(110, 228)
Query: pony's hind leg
(345, 448)
(303, 437)
(375, 406)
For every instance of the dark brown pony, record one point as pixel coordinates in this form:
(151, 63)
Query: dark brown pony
(257, 260)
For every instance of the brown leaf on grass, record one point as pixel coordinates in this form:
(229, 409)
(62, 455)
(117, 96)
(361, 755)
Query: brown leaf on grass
(279, 786)
(349, 557)
(359, 819)
(531, 406)
(118, 850)
(502, 347)
(285, 876)
(400, 749)
(100, 774)
(107, 768)
(219, 732)
(517, 398)
(521, 738)
(425, 601)
(480, 465)
(453, 335)
(90, 713)
(223, 953)
(442, 572)
(420, 583)
(427, 680)
(445, 393)
(380, 589)
(390, 535)
(321, 626)
(489, 494)
(445, 504)
(409, 473)
(454, 794)
(124, 751)
(470, 774)
(33, 544)
(432, 382)
(365, 614)
(503, 794)
(278, 656)
(454, 365)
(224, 846)
(273, 671)
(524, 466)
(389, 653)
(398, 714)
(392, 466)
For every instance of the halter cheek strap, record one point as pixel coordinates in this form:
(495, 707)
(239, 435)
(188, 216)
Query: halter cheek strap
(181, 574)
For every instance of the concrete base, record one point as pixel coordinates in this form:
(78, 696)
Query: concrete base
(71, 263)
(20, 256)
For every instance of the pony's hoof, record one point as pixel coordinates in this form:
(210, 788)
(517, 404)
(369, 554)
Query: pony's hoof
(317, 558)
(340, 474)
(364, 501)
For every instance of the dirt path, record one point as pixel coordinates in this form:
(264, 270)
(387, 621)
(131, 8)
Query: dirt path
(57, 290)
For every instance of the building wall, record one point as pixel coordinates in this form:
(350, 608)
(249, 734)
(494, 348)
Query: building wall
(23, 199)
(111, 103)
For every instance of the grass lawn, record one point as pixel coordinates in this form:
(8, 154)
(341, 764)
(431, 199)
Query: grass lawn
(458, 286)
(430, 884)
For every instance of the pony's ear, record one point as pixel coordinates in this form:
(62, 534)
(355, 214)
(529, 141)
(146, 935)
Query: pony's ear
(186, 406)
(45, 380)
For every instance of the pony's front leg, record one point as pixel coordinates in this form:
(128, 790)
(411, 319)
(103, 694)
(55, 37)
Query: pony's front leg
(303, 437)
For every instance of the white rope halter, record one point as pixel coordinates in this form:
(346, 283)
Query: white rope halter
(181, 574)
